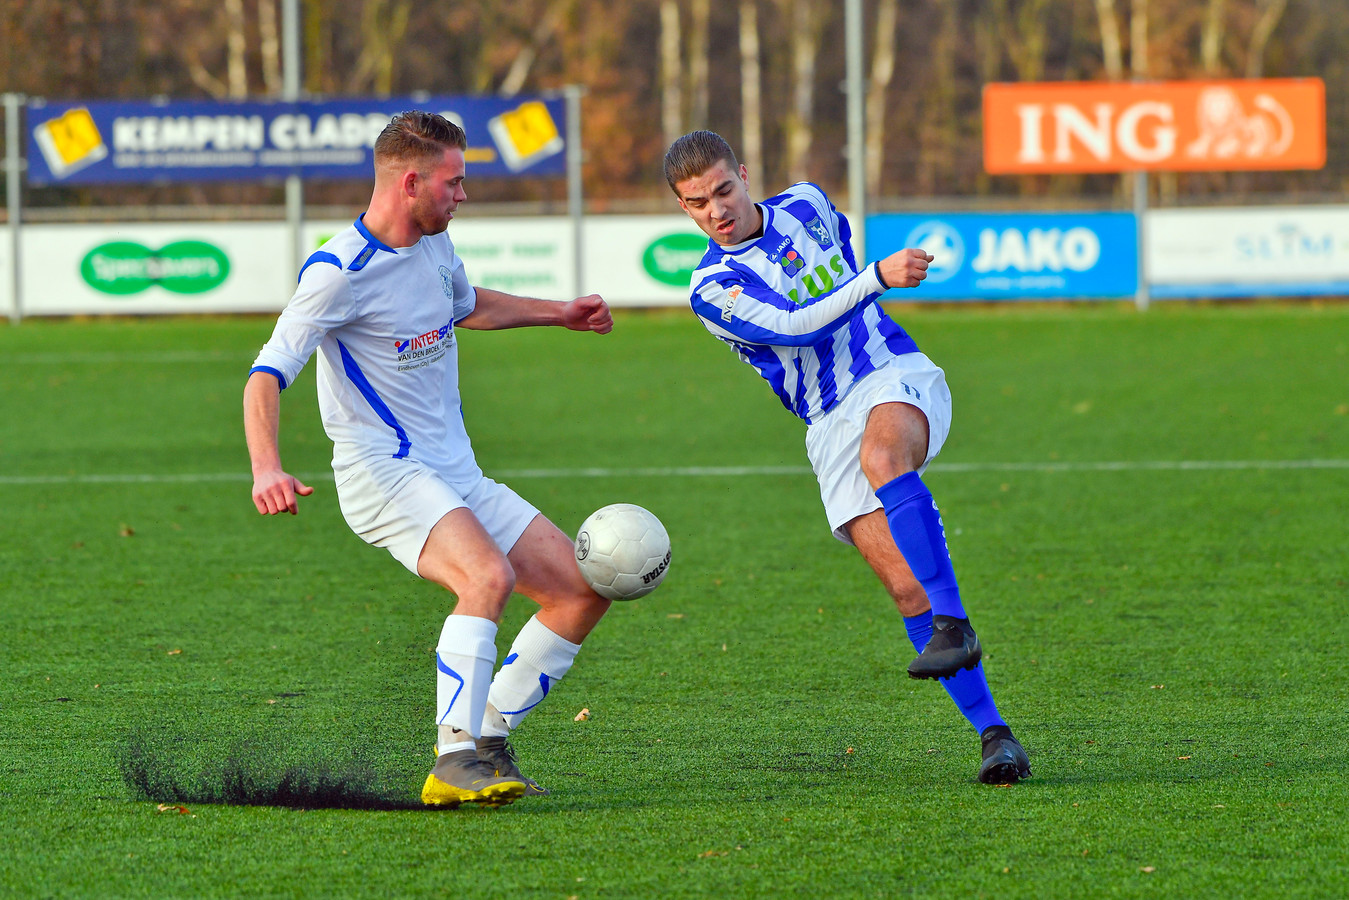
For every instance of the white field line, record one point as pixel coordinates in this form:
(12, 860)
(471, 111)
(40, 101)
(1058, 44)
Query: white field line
(720, 471)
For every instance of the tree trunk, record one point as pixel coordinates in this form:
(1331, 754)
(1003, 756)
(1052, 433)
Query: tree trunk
(1270, 13)
(1111, 51)
(524, 60)
(270, 48)
(882, 72)
(751, 109)
(1211, 37)
(236, 49)
(671, 117)
(698, 63)
(800, 120)
(1138, 39)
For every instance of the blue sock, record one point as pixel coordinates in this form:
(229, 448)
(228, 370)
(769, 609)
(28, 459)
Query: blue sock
(916, 526)
(968, 687)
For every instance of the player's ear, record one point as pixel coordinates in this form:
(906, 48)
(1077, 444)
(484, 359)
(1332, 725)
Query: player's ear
(410, 182)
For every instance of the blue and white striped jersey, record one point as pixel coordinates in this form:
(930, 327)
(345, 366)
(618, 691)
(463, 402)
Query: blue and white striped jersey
(383, 322)
(793, 304)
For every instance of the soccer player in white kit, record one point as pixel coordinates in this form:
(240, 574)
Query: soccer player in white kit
(381, 302)
(779, 285)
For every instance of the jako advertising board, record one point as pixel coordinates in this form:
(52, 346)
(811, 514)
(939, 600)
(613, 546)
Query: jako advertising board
(1013, 256)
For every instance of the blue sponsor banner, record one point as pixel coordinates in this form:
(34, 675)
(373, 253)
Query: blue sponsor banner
(1014, 256)
(106, 142)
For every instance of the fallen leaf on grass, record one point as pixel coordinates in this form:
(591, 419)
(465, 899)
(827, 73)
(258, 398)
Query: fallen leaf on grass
(174, 652)
(1183, 757)
(169, 807)
(1148, 869)
(126, 531)
(582, 715)
(710, 853)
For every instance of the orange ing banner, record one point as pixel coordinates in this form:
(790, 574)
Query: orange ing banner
(1273, 123)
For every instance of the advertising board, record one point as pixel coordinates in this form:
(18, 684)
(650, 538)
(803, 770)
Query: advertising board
(1272, 123)
(1250, 251)
(88, 142)
(1013, 256)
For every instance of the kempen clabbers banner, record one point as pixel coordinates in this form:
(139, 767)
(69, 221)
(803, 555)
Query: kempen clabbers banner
(90, 142)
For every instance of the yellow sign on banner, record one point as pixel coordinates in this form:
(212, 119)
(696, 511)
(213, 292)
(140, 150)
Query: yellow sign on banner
(525, 135)
(71, 142)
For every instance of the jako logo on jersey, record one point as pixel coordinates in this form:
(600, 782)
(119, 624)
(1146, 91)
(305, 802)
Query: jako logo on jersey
(422, 341)
(785, 255)
(818, 233)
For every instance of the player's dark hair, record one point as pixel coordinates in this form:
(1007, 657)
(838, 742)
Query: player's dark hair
(695, 153)
(418, 137)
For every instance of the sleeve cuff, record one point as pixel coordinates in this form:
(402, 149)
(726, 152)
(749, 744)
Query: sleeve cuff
(876, 273)
(270, 371)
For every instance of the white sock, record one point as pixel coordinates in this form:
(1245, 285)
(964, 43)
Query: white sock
(464, 659)
(538, 659)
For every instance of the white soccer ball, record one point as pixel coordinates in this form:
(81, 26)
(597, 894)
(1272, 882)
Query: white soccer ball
(623, 551)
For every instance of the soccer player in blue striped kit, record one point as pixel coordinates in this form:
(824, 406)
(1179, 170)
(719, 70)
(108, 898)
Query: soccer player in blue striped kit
(779, 284)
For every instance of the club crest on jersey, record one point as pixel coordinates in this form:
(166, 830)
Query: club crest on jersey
(785, 255)
(447, 281)
(818, 233)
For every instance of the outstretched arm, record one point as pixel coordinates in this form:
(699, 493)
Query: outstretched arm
(497, 309)
(274, 490)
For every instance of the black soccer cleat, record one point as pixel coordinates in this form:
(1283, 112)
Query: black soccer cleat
(1005, 760)
(954, 646)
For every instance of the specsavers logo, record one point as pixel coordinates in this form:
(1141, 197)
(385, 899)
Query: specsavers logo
(672, 258)
(184, 267)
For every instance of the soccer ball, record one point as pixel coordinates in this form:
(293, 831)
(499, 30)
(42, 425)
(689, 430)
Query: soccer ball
(623, 551)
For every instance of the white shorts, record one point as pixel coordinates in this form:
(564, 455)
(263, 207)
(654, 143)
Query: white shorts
(834, 443)
(394, 504)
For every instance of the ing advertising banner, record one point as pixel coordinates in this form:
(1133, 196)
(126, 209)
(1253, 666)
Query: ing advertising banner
(107, 142)
(1176, 126)
(1013, 256)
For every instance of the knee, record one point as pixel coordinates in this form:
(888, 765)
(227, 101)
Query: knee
(882, 463)
(495, 581)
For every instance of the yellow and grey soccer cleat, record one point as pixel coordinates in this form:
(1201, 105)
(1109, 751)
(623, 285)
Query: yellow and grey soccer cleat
(461, 777)
(500, 755)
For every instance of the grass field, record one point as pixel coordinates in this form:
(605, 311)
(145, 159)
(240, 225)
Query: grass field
(1147, 514)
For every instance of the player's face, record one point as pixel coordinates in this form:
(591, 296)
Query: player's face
(439, 193)
(718, 200)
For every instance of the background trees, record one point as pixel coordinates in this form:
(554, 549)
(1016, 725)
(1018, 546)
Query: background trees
(766, 73)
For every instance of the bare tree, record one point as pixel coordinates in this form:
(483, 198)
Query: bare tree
(270, 47)
(1271, 11)
(697, 56)
(671, 98)
(800, 122)
(882, 71)
(1111, 52)
(751, 108)
(524, 60)
(1211, 37)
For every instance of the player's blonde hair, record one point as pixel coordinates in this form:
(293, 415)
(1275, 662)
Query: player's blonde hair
(418, 138)
(695, 153)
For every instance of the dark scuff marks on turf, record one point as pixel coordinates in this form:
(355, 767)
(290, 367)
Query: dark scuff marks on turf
(167, 767)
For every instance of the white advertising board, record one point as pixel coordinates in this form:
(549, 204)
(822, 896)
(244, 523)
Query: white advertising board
(154, 268)
(1248, 251)
(641, 260)
(529, 256)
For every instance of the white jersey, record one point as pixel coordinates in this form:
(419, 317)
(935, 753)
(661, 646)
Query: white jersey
(388, 369)
(793, 304)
